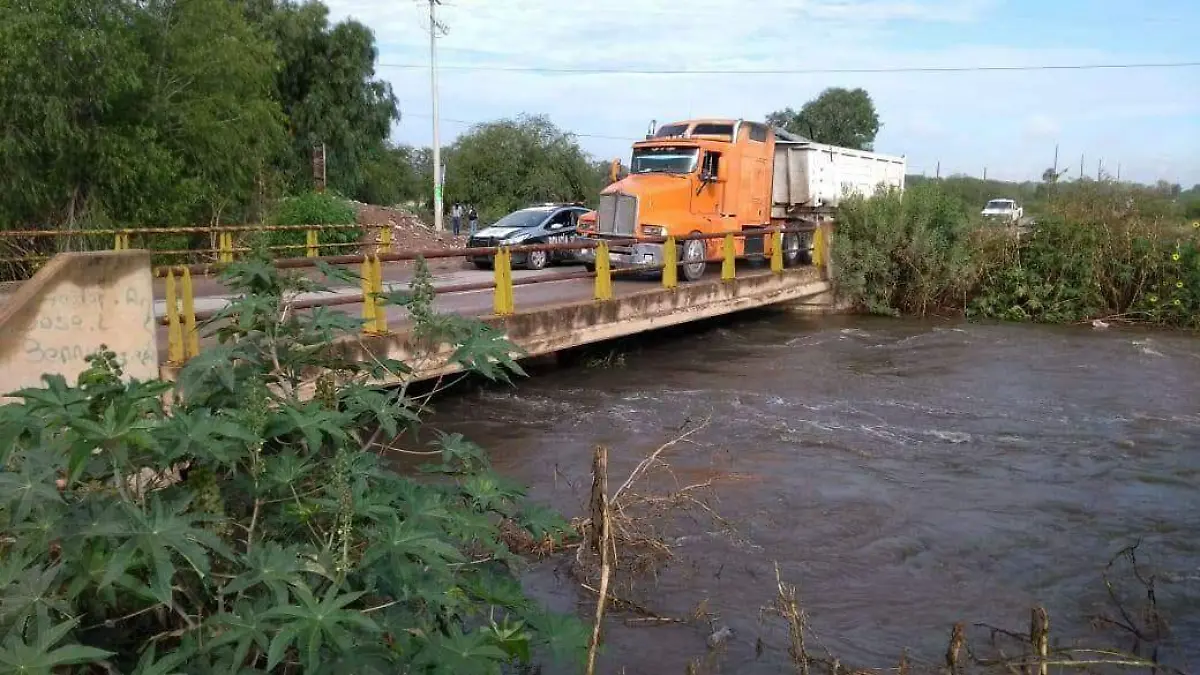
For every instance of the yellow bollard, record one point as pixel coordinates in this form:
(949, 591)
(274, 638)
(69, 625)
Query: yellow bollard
(367, 271)
(670, 273)
(604, 289)
(121, 241)
(175, 355)
(225, 247)
(502, 296)
(312, 241)
(777, 252)
(729, 255)
(385, 239)
(191, 342)
(818, 257)
(381, 327)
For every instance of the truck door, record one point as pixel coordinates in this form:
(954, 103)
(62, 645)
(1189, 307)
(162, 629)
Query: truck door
(706, 198)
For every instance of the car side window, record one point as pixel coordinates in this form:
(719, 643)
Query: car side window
(561, 218)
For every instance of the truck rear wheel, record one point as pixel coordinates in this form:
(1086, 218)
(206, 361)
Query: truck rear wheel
(793, 251)
(693, 251)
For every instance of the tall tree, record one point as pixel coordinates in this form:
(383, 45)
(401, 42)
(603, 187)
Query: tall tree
(131, 112)
(505, 165)
(841, 117)
(328, 90)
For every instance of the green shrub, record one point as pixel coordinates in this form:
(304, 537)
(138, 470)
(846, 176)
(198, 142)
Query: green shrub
(1101, 250)
(1106, 250)
(249, 528)
(903, 252)
(313, 208)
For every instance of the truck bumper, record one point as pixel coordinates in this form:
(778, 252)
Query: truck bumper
(627, 256)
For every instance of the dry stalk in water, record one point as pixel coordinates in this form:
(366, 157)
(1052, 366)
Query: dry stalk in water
(601, 542)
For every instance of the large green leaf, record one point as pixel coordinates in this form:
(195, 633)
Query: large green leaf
(41, 655)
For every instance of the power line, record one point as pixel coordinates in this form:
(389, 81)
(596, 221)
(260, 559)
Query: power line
(471, 124)
(799, 71)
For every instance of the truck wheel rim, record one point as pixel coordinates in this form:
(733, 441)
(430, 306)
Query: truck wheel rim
(694, 251)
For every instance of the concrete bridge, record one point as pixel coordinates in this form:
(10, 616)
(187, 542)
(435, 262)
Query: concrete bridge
(152, 317)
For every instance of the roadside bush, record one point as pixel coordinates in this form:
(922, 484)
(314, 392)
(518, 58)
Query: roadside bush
(903, 252)
(313, 208)
(251, 528)
(1105, 250)
(1102, 250)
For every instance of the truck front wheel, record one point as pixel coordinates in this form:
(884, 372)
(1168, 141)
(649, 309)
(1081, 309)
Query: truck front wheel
(692, 259)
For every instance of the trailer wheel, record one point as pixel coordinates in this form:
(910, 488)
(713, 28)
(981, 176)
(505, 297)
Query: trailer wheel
(793, 249)
(693, 250)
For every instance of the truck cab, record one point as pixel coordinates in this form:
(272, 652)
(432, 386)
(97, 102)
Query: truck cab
(699, 176)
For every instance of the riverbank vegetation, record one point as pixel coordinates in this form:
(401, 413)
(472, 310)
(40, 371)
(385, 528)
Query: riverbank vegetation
(254, 525)
(1095, 250)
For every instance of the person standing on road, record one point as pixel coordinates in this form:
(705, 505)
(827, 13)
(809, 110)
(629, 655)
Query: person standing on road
(456, 215)
(473, 220)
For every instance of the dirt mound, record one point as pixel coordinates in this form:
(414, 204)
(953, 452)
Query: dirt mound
(409, 234)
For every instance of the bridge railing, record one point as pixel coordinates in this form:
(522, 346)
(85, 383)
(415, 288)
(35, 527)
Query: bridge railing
(31, 245)
(182, 319)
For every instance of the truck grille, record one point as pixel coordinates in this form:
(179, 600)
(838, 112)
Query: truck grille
(617, 214)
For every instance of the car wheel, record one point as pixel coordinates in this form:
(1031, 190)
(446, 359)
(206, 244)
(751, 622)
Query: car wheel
(482, 264)
(536, 260)
(692, 259)
(591, 269)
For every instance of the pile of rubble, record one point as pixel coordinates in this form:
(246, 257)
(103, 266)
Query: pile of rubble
(409, 233)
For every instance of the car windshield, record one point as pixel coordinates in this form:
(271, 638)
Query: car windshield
(523, 218)
(999, 204)
(664, 160)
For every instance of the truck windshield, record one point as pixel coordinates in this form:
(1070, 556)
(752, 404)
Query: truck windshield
(999, 204)
(664, 160)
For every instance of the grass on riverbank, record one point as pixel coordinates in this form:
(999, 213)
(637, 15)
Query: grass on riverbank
(1101, 250)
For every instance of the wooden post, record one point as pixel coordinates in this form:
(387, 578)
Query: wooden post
(952, 651)
(1039, 636)
(601, 542)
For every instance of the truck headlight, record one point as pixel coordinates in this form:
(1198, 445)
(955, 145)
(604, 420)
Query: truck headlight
(654, 231)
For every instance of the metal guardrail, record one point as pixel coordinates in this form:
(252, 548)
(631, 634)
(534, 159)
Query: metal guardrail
(182, 318)
(123, 238)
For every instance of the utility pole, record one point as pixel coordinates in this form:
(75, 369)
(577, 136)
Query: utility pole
(938, 175)
(985, 173)
(437, 143)
(1054, 174)
(1118, 172)
(1099, 169)
(1080, 167)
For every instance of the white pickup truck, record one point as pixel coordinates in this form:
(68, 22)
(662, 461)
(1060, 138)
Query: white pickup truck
(1003, 209)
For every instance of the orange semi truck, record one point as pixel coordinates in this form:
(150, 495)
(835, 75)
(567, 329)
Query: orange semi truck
(712, 176)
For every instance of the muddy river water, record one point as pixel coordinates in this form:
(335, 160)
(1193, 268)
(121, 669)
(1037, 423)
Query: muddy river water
(904, 475)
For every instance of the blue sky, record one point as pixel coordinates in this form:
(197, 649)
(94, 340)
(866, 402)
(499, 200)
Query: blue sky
(1145, 120)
